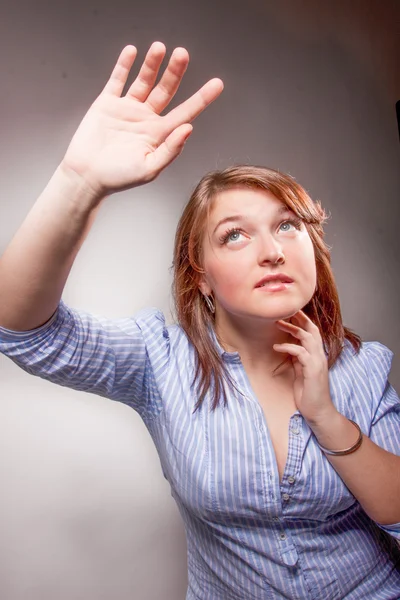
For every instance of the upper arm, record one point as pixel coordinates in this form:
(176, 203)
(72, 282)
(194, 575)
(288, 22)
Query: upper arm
(385, 403)
(385, 421)
(108, 357)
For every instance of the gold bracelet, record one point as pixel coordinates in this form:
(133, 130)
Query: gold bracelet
(348, 450)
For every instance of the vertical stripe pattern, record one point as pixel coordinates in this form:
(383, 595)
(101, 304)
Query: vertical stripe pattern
(250, 535)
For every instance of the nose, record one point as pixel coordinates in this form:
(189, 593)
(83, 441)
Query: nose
(270, 251)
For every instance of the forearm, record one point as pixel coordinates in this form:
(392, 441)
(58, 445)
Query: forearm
(37, 262)
(121, 143)
(371, 473)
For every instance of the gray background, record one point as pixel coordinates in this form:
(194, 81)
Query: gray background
(311, 88)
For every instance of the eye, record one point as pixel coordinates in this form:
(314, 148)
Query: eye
(232, 235)
(296, 223)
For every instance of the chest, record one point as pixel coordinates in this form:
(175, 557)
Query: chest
(276, 399)
(227, 464)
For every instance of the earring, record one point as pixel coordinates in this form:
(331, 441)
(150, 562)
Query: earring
(210, 303)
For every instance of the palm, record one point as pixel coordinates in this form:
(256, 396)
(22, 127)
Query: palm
(124, 141)
(113, 141)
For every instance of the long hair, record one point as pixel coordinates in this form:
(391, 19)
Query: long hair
(192, 313)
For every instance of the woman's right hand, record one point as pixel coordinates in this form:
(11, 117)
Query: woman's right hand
(123, 141)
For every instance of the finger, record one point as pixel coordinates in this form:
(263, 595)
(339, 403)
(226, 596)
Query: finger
(120, 73)
(306, 339)
(294, 330)
(167, 87)
(147, 76)
(298, 351)
(169, 149)
(191, 108)
(304, 321)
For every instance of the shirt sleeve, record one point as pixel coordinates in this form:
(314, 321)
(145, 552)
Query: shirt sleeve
(120, 359)
(385, 425)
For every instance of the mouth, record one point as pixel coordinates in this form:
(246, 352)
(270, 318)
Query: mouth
(271, 281)
(274, 286)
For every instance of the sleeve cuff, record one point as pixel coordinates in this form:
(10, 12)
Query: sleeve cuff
(11, 335)
(393, 530)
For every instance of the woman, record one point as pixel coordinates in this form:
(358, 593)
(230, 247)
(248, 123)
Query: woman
(275, 426)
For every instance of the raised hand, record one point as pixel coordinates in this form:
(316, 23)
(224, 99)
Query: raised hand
(123, 141)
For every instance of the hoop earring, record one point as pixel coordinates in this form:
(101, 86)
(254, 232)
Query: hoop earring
(210, 303)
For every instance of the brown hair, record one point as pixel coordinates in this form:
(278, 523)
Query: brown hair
(192, 312)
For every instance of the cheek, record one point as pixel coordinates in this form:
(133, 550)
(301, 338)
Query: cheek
(226, 279)
(303, 261)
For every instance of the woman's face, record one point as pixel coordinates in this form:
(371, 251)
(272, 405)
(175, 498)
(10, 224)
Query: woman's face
(250, 235)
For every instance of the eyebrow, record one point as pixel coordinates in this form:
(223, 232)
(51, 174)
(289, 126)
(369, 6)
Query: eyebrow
(236, 218)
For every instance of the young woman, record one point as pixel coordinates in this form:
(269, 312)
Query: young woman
(276, 427)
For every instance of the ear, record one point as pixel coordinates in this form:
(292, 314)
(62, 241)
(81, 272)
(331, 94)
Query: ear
(204, 287)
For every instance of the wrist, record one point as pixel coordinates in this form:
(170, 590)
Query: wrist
(335, 433)
(323, 420)
(79, 189)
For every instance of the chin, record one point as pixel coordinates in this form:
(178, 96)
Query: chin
(284, 310)
(279, 308)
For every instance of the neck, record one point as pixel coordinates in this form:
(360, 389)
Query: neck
(253, 339)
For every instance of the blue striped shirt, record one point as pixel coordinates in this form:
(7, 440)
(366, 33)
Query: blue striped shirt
(249, 535)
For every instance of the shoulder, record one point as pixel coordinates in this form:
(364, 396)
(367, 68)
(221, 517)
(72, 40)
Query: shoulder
(359, 379)
(374, 359)
(151, 322)
(157, 333)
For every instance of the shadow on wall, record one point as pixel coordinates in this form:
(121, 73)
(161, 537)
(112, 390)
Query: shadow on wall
(360, 24)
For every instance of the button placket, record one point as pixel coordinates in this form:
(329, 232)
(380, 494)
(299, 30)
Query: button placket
(293, 462)
(273, 492)
(288, 551)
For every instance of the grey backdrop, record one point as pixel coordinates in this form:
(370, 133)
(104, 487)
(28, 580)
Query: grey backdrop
(310, 89)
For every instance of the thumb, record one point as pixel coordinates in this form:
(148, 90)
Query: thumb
(169, 149)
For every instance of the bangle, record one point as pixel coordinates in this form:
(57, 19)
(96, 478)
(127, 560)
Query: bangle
(347, 450)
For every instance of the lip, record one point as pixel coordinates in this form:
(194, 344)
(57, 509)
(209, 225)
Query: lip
(278, 278)
(274, 286)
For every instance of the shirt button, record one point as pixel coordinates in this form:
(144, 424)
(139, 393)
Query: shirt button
(282, 536)
(286, 497)
(295, 431)
(291, 479)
